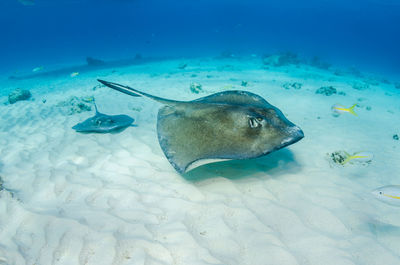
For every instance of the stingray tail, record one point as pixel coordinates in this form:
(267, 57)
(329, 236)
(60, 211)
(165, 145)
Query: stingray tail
(135, 93)
(95, 106)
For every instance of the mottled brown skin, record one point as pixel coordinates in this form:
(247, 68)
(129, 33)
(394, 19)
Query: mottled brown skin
(221, 131)
(225, 125)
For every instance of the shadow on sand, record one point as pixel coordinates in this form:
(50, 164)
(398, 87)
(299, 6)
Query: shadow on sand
(273, 165)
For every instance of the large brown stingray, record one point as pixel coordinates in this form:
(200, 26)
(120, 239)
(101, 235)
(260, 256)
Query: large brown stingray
(223, 126)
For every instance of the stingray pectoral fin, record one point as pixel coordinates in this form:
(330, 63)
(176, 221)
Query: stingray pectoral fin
(184, 138)
(201, 162)
(183, 159)
(136, 93)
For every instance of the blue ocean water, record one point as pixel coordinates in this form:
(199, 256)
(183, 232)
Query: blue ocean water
(85, 186)
(365, 34)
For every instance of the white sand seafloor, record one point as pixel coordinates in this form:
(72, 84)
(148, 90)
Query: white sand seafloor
(74, 198)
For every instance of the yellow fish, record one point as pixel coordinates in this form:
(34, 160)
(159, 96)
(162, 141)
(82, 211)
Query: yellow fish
(88, 99)
(37, 69)
(359, 157)
(339, 109)
(74, 74)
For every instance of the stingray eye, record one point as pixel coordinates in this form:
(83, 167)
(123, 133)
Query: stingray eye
(254, 122)
(259, 119)
(380, 192)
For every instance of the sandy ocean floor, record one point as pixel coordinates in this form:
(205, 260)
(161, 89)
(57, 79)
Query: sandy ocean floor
(72, 198)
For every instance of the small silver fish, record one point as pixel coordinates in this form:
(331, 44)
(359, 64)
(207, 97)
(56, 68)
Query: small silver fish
(388, 194)
(37, 69)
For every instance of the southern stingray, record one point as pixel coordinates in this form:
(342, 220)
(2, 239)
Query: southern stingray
(223, 126)
(103, 123)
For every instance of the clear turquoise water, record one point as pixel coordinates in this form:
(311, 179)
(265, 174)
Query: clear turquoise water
(361, 33)
(70, 198)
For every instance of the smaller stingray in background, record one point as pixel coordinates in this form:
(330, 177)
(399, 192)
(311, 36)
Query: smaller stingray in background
(222, 126)
(102, 123)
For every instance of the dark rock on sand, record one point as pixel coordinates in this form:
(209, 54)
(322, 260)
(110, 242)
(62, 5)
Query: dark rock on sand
(19, 94)
(360, 86)
(326, 90)
(294, 85)
(76, 105)
(395, 137)
(195, 87)
(338, 157)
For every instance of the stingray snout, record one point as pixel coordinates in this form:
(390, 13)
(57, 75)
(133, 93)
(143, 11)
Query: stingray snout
(294, 133)
(297, 132)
